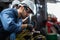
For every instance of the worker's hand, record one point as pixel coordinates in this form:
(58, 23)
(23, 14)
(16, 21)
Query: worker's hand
(29, 27)
(24, 19)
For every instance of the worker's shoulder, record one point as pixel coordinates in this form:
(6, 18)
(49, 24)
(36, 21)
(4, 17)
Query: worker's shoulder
(7, 10)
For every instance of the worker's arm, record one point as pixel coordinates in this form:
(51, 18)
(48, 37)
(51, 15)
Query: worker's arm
(9, 22)
(28, 26)
(24, 26)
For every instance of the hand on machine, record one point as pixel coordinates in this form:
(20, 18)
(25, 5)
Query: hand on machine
(30, 27)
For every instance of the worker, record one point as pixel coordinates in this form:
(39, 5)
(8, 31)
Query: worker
(50, 22)
(11, 19)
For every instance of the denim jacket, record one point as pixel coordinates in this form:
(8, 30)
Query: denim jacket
(10, 20)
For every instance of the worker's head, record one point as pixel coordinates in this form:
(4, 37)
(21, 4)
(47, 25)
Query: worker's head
(25, 8)
(52, 18)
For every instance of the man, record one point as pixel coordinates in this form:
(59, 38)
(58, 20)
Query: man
(12, 19)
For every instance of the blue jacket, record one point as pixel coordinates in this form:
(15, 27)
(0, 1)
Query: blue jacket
(10, 21)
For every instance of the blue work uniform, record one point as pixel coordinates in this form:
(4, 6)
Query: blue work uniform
(10, 21)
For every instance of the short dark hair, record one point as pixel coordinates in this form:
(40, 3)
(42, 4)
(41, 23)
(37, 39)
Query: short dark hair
(15, 5)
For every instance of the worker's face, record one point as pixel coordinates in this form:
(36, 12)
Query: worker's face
(25, 13)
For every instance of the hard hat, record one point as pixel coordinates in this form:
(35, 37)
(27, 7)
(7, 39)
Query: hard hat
(30, 4)
(15, 2)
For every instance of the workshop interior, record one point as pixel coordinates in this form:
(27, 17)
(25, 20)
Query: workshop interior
(46, 26)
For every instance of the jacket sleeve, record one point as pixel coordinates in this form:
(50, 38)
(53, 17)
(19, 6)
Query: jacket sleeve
(8, 22)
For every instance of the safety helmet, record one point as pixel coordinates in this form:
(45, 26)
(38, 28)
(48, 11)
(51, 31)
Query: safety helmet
(30, 4)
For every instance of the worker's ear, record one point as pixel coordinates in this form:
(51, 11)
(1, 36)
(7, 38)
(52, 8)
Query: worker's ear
(22, 7)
